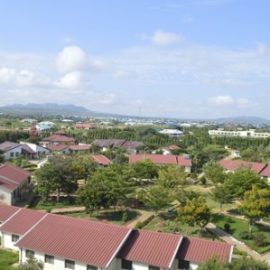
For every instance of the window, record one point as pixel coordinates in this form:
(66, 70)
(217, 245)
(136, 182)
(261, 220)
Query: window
(49, 259)
(29, 253)
(11, 154)
(69, 264)
(151, 267)
(125, 264)
(91, 267)
(14, 238)
(182, 264)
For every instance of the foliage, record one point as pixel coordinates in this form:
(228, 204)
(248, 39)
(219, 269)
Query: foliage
(145, 169)
(212, 264)
(7, 259)
(256, 203)
(214, 172)
(195, 212)
(222, 195)
(32, 264)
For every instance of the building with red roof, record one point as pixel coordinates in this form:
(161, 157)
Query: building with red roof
(6, 211)
(58, 138)
(62, 242)
(265, 173)
(183, 161)
(232, 165)
(101, 160)
(14, 184)
(79, 148)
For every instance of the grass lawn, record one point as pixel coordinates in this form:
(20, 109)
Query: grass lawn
(164, 223)
(52, 203)
(109, 216)
(7, 259)
(239, 226)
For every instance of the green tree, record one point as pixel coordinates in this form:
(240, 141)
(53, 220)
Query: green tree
(155, 197)
(171, 177)
(145, 170)
(248, 264)
(222, 195)
(212, 264)
(32, 264)
(256, 204)
(214, 172)
(195, 212)
(241, 181)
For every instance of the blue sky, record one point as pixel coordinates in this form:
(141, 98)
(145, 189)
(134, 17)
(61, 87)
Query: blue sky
(178, 58)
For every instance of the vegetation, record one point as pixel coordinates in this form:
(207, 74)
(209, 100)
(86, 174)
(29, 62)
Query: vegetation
(7, 259)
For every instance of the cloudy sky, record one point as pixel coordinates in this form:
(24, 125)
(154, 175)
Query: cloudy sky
(179, 58)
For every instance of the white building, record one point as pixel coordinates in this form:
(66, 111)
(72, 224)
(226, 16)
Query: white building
(239, 133)
(62, 242)
(173, 133)
(46, 125)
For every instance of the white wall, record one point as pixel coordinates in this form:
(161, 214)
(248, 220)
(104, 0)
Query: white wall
(5, 196)
(59, 263)
(6, 241)
(18, 150)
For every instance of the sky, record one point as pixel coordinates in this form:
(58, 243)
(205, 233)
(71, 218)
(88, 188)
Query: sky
(164, 58)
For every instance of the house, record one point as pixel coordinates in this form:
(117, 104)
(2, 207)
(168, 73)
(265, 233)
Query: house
(101, 160)
(169, 149)
(44, 126)
(14, 184)
(61, 149)
(6, 211)
(265, 173)
(172, 133)
(130, 146)
(251, 133)
(183, 161)
(58, 138)
(85, 125)
(17, 225)
(10, 150)
(62, 242)
(33, 150)
(232, 165)
(79, 148)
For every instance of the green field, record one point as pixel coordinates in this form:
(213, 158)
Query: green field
(7, 259)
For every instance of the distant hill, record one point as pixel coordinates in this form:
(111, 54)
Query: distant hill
(46, 109)
(244, 120)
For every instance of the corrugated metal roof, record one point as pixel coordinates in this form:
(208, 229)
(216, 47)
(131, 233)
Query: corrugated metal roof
(88, 242)
(200, 250)
(59, 138)
(22, 221)
(6, 211)
(266, 171)
(232, 165)
(151, 248)
(101, 160)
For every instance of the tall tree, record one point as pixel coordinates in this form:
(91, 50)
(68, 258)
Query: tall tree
(214, 172)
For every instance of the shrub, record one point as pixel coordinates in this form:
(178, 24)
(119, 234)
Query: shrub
(259, 239)
(246, 235)
(227, 227)
(125, 217)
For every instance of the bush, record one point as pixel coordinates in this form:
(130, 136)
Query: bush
(140, 224)
(259, 239)
(246, 235)
(227, 227)
(125, 217)
(203, 180)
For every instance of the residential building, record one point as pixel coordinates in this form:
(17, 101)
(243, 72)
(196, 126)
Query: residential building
(79, 148)
(101, 160)
(85, 125)
(239, 133)
(62, 242)
(169, 149)
(44, 126)
(173, 133)
(35, 151)
(265, 173)
(183, 161)
(14, 184)
(58, 138)
(61, 149)
(10, 150)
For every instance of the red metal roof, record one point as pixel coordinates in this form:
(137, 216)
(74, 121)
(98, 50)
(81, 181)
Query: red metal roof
(57, 147)
(6, 211)
(22, 221)
(101, 160)
(79, 147)
(59, 138)
(200, 250)
(11, 176)
(161, 159)
(88, 242)
(232, 165)
(266, 171)
(151, 248)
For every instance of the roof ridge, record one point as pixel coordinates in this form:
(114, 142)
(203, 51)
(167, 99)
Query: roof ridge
(14, 214)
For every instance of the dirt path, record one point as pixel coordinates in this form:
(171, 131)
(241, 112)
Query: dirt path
(144, 215)
(68, 210)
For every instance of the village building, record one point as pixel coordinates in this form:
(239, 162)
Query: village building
(14, 184)
(182, 161)
(58, 138)
(62, 242)
(101, 160)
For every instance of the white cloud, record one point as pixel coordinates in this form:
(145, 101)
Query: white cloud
(228, 100)
(71, 80)
(162, 38)
(71, 58)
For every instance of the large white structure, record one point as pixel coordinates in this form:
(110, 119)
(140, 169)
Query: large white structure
(173, 133)
(62, 242)
(46, 125)
(239, 133)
